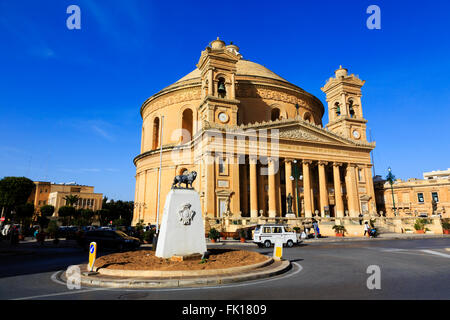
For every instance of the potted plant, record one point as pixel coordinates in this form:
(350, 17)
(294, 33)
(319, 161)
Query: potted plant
(340, 230)
(419, 226)
(446, 227)
(213, 235)
(242, 235)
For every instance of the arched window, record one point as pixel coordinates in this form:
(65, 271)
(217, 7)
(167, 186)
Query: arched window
(338, 108)
(155, 133)
(221, 89)
(187, 125)
(275, 114)
(351, 109)
(307, 117)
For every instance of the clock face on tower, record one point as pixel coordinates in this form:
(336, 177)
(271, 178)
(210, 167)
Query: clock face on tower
(223, 117)
(355, 134)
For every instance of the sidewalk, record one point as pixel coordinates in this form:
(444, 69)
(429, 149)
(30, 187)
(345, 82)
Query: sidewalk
(383, 236)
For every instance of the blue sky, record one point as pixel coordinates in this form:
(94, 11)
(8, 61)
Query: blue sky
(70, 99)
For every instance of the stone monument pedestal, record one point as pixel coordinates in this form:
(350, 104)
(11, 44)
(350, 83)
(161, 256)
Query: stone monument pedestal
(182, 230)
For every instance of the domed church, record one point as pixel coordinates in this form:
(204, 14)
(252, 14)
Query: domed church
(256, 142)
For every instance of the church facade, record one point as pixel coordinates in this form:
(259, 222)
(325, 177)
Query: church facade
(257, 143)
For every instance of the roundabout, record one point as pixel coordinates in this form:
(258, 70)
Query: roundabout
(141, 269)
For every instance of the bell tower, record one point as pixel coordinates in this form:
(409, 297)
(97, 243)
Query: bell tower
(217, 65)
(344, 105)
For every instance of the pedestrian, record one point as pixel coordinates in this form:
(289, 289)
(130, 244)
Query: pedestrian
(316, 229)
(366, 228)
(360, 218)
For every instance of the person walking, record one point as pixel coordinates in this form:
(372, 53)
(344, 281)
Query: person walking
(366, 228)
(316, 229)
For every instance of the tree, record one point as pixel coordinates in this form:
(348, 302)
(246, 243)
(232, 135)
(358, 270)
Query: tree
(119, 211)
(67, 212)
(71, 199)
(24, 212)
(46, 212)
(14, 191)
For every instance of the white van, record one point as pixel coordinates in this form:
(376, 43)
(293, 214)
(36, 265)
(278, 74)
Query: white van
(266, 234)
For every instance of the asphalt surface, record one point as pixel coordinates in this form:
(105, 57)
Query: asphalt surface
(410, 269)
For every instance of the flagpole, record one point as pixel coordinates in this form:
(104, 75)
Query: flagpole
(159, 181)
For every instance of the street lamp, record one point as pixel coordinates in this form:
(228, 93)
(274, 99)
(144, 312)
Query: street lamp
(391, 178)
(296, 176)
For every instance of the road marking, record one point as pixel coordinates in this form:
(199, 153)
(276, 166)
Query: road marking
(59, 294)
(436, 253)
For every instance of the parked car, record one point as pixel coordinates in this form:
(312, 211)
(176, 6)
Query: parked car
(265, 235)
(109, 239)
(68, 232)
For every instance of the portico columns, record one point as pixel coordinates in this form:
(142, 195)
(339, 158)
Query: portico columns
(370, 190)
(352, 191)
(338, 191)
(288, 174)
(272, 190)
(210, 185)
(323, 190)
(307, 187)
(253, 188)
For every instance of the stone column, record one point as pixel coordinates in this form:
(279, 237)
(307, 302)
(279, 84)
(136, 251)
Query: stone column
(339, 203)
(323, 190)
(370, 190)
(272, 189)
(253, 188)
(352, 191)
(236, 197)
(288, 174)
(244, 188)
(210, 198)
(307, 188)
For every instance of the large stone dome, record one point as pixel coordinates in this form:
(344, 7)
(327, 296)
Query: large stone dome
(244, 68)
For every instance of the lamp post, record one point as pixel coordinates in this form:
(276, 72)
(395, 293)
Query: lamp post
(296, 176)
(391, 178)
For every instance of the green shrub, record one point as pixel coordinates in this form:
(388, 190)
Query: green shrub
(213, 234)
(446, 225)
(339, 229)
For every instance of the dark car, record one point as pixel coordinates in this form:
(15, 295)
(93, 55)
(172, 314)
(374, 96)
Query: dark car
(70, 233)
(109, 239)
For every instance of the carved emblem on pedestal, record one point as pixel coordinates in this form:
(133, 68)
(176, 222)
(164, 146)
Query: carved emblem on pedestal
(186, 214)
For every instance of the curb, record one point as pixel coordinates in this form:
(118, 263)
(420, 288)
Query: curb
(273, 269)
(181, 273)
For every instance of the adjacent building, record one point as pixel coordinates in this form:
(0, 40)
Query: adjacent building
(47, 193)
(256, 141)
(415, 197)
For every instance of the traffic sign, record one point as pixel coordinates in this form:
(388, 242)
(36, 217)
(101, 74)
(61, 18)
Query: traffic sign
(92, 255)
(278, 249)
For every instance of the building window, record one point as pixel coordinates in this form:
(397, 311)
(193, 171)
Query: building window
(223, 166)
(338, 109)
(420, 197)
(351, 109)
(434, 196)
(275, 114)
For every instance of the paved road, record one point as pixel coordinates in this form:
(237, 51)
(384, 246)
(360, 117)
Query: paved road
(410, 269)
